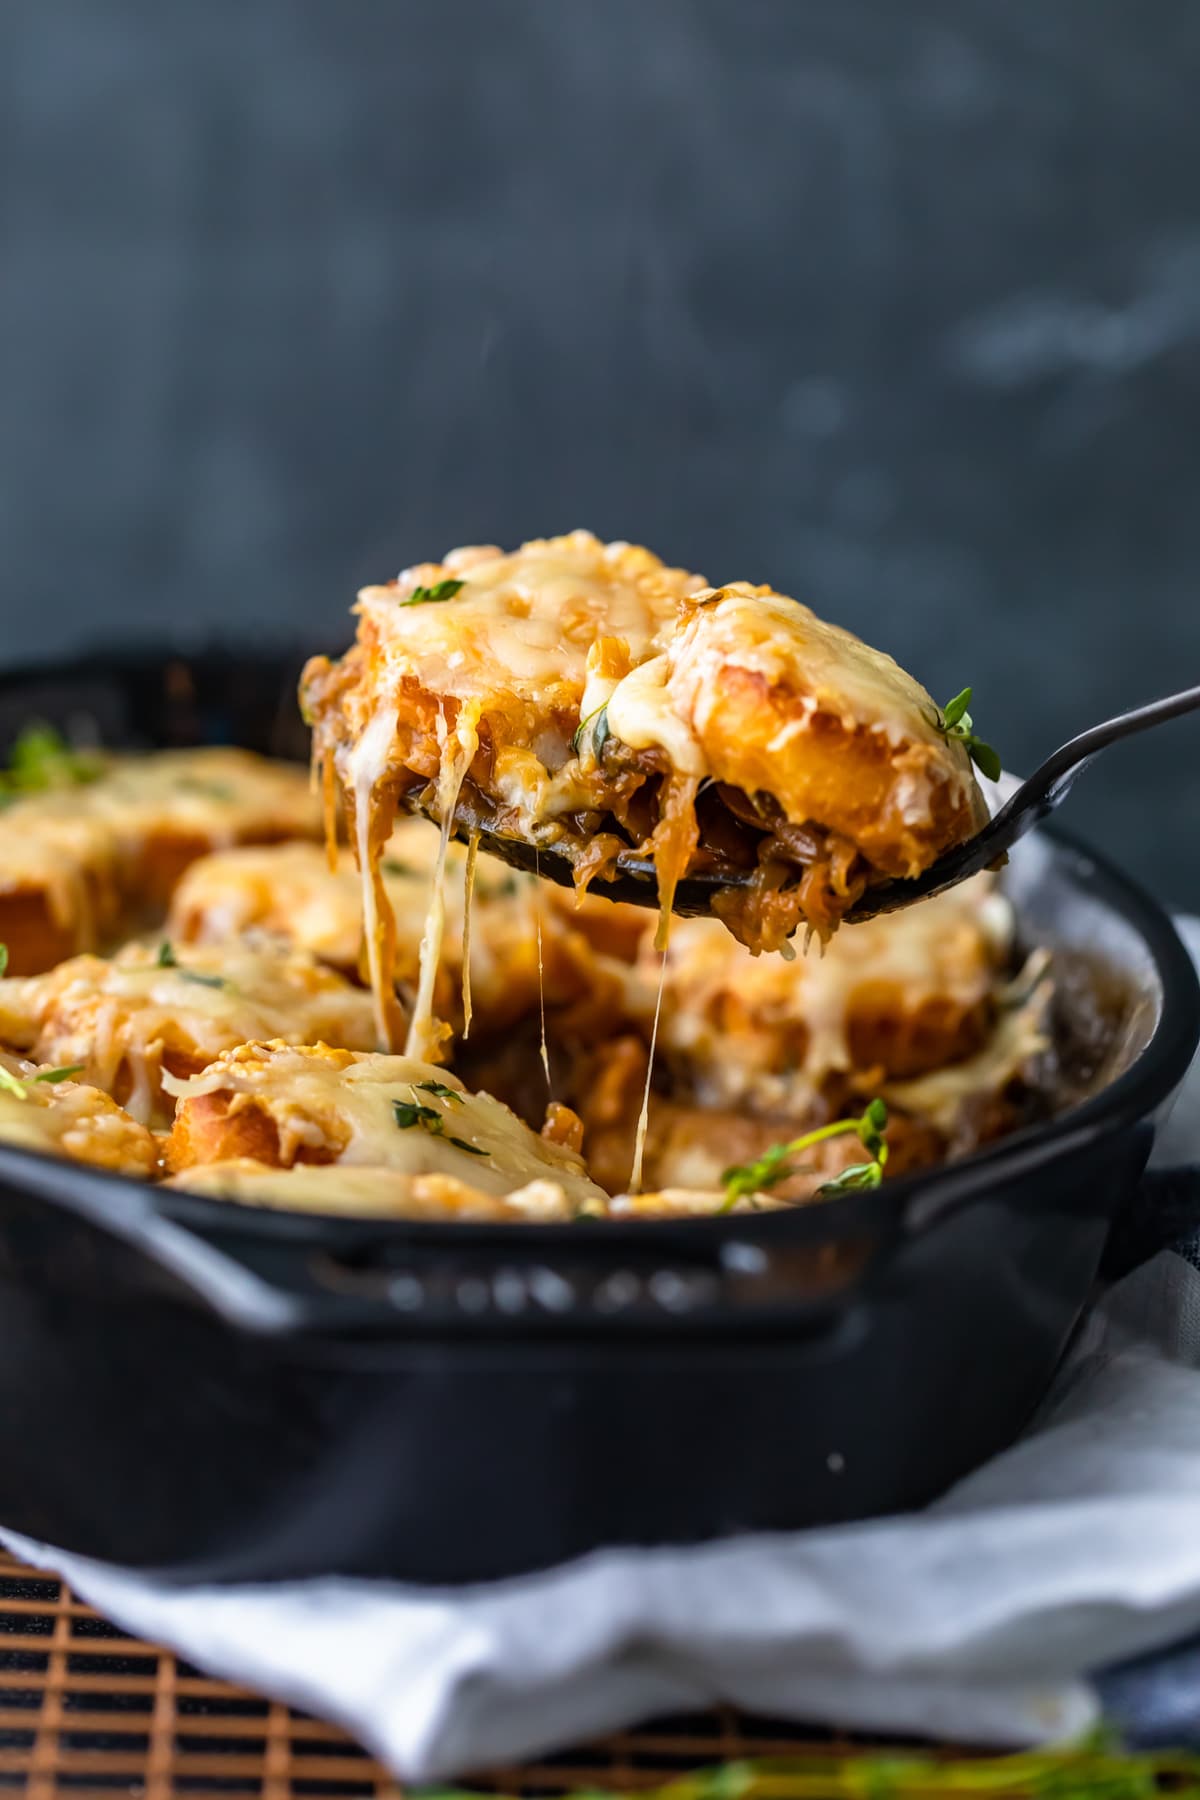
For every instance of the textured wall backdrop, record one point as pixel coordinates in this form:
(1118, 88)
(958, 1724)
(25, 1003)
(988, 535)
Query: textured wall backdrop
(897, 306)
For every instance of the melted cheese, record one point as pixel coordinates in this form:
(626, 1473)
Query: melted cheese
(425, 1035)
(740, 684)
(325, 1100)
(367, 764)
(469, 874)
(786, 644)
(129, 1019)
(377, 1192)
(90, 850)
(524, 623)
(70, 1119)
(217, 794)
(741, 1029)
(1020, 1037)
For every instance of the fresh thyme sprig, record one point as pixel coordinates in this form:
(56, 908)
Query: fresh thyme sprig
(167, 959)
(600, 733)
(1091, 1768)
(440, 1089)
(774, 1165)
(954, 721)
(408, 1113)
(440, 590)
(40, 759)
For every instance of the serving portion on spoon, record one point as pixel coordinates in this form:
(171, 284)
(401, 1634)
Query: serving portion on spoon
(1023, 805)
(584, 702)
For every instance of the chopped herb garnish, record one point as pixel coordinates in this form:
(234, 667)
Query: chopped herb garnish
(853, 1179)
(12, 1085)
(167, 959)
(775, 1164)
(55, 1075)
(600, 733)
(40, 759)
(441, 590)
(3, 958)
(391, 865)
(408, 1113)
(955, 722)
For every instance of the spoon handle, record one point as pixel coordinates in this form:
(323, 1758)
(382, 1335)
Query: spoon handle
(1025, 806)
(1051, 782)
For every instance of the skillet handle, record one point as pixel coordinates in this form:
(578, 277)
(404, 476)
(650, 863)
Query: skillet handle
(290, 1281)
(1163, 1213)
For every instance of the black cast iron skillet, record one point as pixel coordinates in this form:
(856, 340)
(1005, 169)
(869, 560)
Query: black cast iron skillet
(216, 1392)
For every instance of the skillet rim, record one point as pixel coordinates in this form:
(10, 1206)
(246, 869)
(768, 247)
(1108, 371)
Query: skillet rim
(906, 1205)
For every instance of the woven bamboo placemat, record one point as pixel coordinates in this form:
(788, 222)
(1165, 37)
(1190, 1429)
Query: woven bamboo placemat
(87, 1711)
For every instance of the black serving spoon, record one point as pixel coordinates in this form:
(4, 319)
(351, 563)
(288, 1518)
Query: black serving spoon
(634, 881)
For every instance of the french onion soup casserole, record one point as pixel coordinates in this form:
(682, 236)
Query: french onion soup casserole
(195, 990)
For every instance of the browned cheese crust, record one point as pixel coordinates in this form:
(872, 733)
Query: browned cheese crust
(80, 866)
(585, 698)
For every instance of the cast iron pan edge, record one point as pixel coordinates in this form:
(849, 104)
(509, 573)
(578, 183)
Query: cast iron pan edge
(274, 1272)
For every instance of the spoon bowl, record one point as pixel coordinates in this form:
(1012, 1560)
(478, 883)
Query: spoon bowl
(1023, 805)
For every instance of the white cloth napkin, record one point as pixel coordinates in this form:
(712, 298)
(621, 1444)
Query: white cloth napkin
(977, 1619)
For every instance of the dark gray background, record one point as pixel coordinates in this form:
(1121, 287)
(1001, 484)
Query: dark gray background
(895, 306)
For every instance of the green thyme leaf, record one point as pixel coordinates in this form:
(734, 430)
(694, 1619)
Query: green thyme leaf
(52, 1076)
(391, 865)
(12, 1085)
(775, 1165)
(955, 711)
(167, 959)
(599, 736)
(40, 759)
(955, 722)
(408, 1113)
(876, 1115)
(986, 760)
(3, 958)
(852, 1180)
(441, 590)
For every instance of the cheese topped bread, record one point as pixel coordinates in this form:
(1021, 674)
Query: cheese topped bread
(83, 860)
(585, 698)
(42, 1110)
(278, 1105)
(150, 1010)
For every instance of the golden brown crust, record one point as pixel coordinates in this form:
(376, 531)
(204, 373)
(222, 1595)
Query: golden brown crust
(208, 1129)
(34, 937)
(584, 698)
(135, 1024)
(280, 1105)
(68, 1118)
(80, 865)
